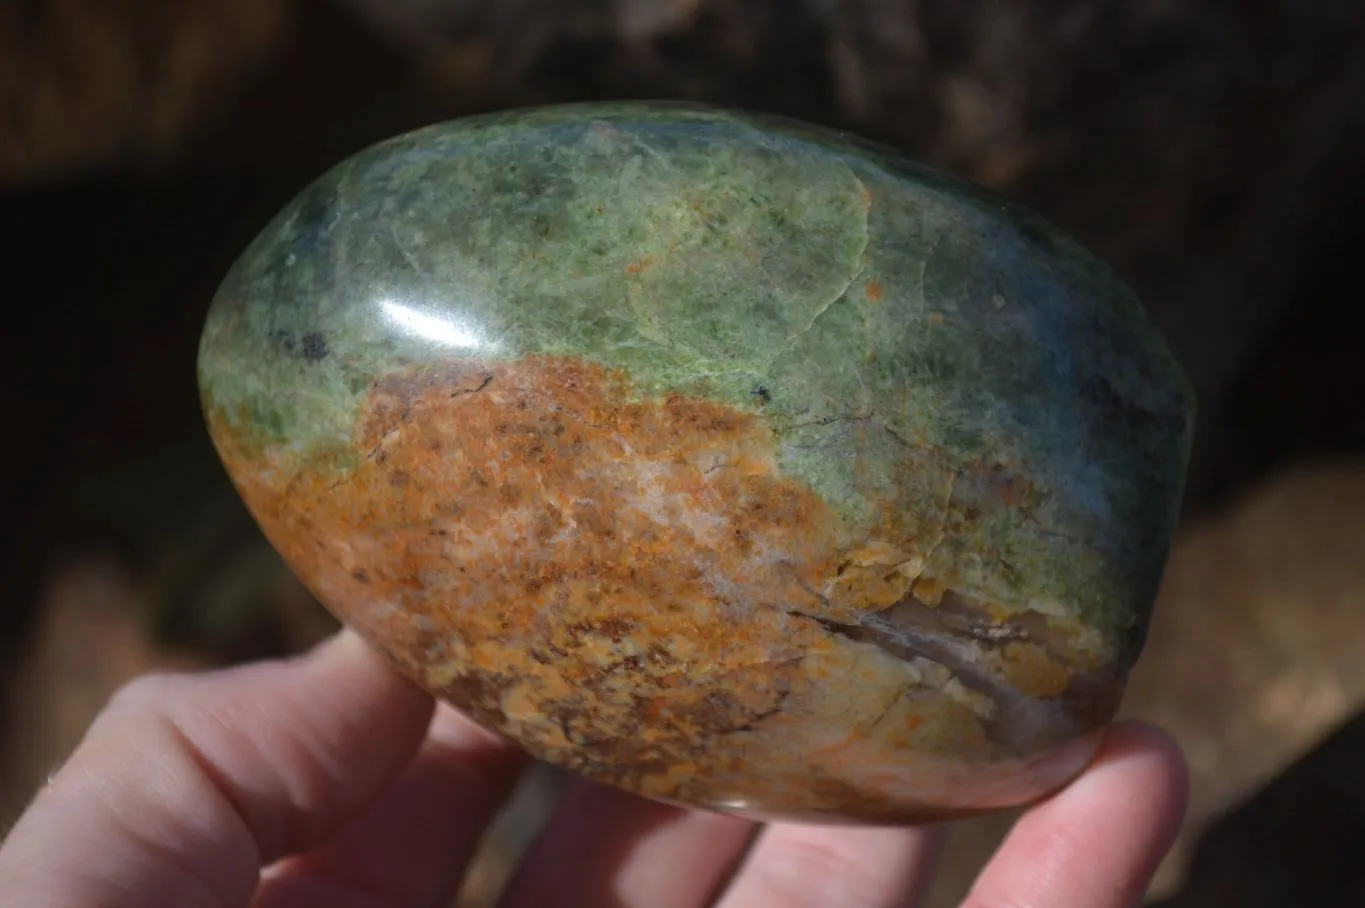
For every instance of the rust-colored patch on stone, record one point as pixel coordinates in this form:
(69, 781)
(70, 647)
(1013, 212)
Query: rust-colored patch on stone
(629, 587)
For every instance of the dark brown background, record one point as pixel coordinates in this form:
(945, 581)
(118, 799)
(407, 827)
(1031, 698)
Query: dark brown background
(1213, 151)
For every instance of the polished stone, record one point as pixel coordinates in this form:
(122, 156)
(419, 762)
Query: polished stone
(720, 458)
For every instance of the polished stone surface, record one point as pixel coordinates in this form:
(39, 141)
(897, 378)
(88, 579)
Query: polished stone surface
(720, 458)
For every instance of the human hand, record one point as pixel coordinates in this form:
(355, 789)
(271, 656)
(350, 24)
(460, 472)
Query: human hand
(327, 780)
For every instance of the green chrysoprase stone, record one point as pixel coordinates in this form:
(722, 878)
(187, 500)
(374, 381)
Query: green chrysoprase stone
(724, 459)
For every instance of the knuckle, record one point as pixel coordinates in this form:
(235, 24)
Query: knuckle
(149, 692)
(810, 873)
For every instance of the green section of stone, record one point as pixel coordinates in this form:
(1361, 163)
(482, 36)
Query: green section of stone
(903, 332)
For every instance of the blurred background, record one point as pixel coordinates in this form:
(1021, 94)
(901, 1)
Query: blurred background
(1213, 151)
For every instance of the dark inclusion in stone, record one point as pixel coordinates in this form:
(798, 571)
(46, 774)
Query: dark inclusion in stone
(724, 459)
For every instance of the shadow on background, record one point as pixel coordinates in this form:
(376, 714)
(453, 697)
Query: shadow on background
(1297, 843)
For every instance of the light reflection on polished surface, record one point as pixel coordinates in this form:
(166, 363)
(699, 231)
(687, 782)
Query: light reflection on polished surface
(442, 330)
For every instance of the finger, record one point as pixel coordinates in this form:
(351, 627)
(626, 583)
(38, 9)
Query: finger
(1098, 842)
(412, 846)
(606, 847)
(186, 785)
(805, 866)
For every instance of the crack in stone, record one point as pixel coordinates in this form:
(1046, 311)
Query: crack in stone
(756, 718)
(897, 437)
(486, 381)
(924, 269)
(940, 529)
(379, 445)
(954, 614)
(813, 593)
(891, 702)
(942, 524)
(831, 420)
(1022, 725)
(407, 254)
(1053, 534)
(857, 268)
(871, 416)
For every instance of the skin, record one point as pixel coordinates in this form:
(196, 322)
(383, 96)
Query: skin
(329, 779)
